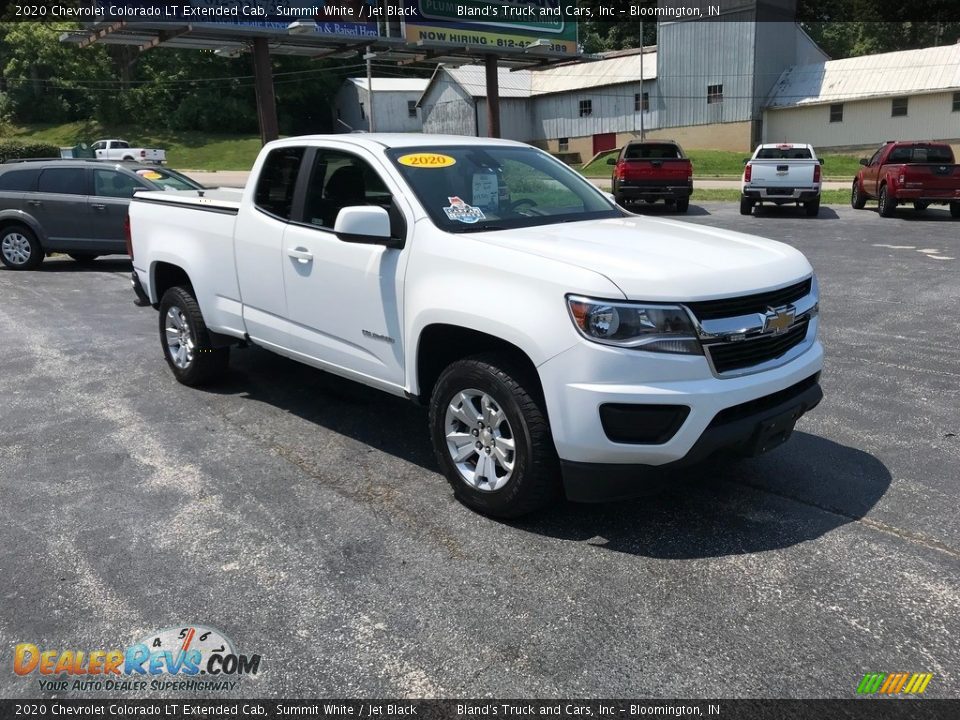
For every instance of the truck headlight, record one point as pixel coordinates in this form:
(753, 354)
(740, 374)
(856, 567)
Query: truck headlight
(654, 328)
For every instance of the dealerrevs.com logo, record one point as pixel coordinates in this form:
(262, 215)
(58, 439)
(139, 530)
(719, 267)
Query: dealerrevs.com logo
(186, 658)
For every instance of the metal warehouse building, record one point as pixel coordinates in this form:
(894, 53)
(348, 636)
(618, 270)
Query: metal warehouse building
(864, 101)
(704, 85)
(395, 108)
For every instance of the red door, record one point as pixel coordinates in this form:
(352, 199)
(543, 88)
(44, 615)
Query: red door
(603, 142)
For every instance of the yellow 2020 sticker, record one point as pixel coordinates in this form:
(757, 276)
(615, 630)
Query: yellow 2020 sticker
(426, 160)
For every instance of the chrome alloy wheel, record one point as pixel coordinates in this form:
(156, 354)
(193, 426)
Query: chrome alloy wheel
(180, 343)
(16, 248)
(480, 440)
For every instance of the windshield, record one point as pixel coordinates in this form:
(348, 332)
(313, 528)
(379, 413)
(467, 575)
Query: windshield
(474, 188)
(167, 179)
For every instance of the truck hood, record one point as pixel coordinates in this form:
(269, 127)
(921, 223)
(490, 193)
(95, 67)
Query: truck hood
(658, 259)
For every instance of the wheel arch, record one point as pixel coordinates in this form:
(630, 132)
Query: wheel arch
(8, 219)
(165, 275)
(441, 344)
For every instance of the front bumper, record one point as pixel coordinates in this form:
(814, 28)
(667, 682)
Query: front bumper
(579, 381)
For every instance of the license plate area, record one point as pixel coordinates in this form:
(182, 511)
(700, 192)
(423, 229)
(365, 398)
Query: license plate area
(773, 432)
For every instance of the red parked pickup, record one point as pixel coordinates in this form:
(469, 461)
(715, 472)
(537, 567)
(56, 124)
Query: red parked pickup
(652, 170)
(919, 172)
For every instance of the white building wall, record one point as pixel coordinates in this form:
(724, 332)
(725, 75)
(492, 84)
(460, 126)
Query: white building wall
(558, 115)
(448, 109)
(865, 122)
(516, 120)
(390, 110)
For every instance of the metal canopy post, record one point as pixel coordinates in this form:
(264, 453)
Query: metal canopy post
(493, 96)
(263, 84)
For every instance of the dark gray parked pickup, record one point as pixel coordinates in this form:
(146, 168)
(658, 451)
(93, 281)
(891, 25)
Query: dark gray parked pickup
(76, 207)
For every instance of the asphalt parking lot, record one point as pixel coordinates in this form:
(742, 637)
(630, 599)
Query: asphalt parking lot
(304, 515)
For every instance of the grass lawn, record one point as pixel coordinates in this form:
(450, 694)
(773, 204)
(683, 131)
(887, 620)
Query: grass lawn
(723, 163)
(186, 150)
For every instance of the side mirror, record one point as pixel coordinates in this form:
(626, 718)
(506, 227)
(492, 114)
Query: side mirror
(611, 161)
(821, 161)
(864, 161)
(746, 160)
(365, 224)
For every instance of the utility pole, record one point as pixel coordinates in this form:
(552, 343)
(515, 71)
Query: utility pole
(493, 96)
(641, 82)
(369, 58)
(263, 85)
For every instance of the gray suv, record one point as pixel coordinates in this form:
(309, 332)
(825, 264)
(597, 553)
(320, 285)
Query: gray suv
(77, 207)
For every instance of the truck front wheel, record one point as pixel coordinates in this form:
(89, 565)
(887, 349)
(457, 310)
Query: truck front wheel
(491, 437)
(857, 199)
(186, 341)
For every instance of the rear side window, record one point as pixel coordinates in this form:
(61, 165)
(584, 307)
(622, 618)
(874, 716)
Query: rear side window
(19, 180)
(653, 151)
(277, 180)
(67, 181)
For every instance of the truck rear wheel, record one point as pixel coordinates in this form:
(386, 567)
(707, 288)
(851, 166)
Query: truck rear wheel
(920, 206)
(491, 437)
(887, 205)
(746, 205)
(186, 341)
(683, 204)
(955, 209)
(812, 207)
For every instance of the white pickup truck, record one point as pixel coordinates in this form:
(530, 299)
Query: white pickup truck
(781, 174)
(121, 150)
(560, 342)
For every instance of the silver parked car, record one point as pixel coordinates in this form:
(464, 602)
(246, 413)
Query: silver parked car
(77, 207)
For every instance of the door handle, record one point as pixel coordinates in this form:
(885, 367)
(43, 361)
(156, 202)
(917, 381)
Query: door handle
(34, 203)
(98, 206)
(300, 255)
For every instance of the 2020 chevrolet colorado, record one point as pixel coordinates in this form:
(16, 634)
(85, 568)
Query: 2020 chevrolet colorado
(560, 342)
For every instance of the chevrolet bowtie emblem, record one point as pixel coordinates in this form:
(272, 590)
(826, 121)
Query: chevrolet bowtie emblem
(779, 319)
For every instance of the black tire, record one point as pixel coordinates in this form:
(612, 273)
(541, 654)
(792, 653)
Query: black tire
(857, 199)
(683, 204)
(12, 248)
(955, 209)
(887, 205)
(812, 208)
(83, 257)
(207, 363)
(619, 200)
(534, 481)
(920, 206)
(746, 205)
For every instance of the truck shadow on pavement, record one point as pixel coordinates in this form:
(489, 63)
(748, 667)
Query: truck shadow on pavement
(66, 264)
(659, 209)
(799, 492)
(780, 211)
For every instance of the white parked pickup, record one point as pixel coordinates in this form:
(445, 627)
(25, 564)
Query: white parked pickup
(560, 342)
(781, 173)
(121, 150)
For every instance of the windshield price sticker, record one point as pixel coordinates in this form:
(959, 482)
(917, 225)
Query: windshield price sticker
(461, 212)
(426, 160)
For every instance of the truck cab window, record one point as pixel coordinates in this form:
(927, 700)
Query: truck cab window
(338, 180)
(274, 194)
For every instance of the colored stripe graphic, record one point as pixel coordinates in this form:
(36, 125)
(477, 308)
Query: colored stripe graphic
(894, 683)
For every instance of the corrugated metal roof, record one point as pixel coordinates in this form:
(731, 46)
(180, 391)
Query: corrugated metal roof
(393, 84)
(564, 78)
(474, 80)
(582, 76)
(897, 73)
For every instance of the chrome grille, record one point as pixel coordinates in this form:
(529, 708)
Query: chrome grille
(730, 307)
(729, 356)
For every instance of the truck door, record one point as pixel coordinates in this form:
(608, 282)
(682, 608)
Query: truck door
(345, 297)
(258, 243)
(871, 172)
